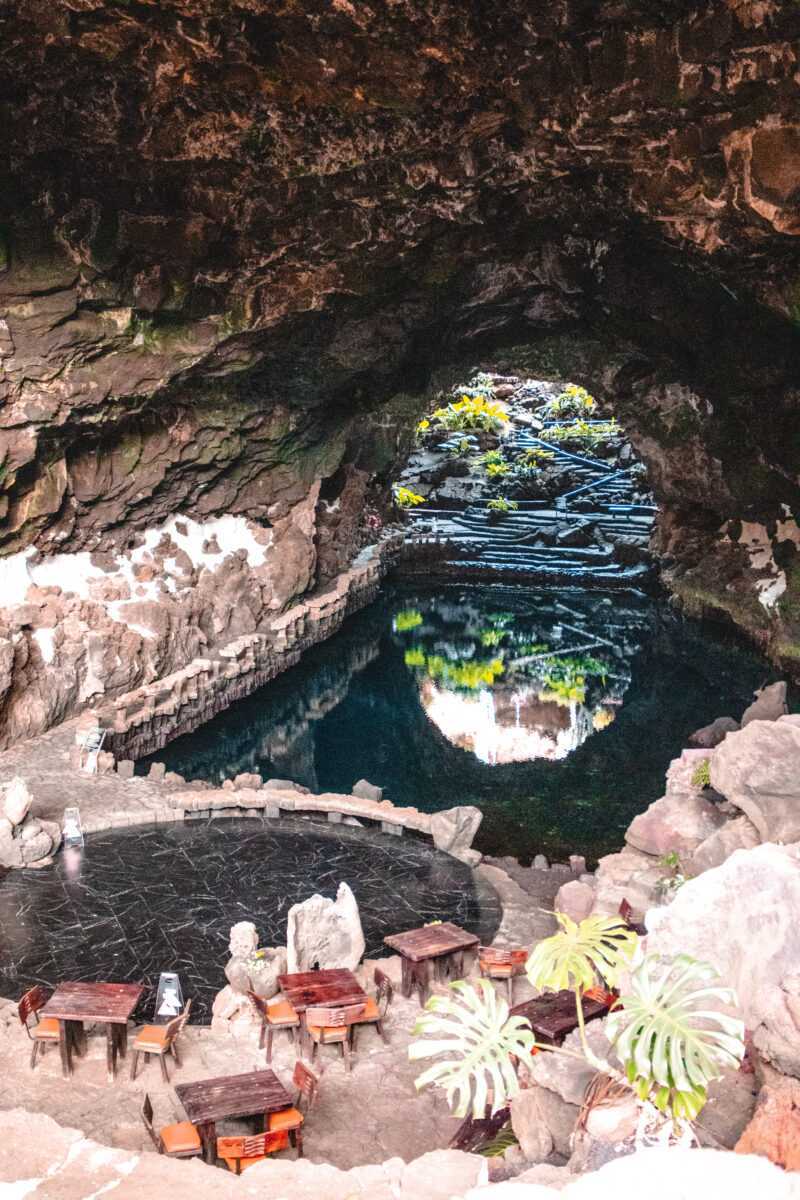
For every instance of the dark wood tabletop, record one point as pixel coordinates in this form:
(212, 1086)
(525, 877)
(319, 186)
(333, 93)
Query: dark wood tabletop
(552, 1016)
(211, 1100)
(431, 941)
(321, 989)
(111, 1003)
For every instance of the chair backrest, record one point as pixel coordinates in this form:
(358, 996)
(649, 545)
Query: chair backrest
(625, 910)
(147, 1119)
(255, 1146)
(175, 1026)
(335, 1018)
(502, 956)
(31, 1002)
(384, 989)
(258, 1004)
(306, 1082)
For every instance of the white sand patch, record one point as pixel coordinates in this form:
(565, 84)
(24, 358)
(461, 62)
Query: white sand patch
(75, 573)
(45, 639)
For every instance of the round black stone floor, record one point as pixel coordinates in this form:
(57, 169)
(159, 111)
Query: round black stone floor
(155, 898)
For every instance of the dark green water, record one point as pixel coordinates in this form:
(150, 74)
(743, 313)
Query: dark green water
(556, 712)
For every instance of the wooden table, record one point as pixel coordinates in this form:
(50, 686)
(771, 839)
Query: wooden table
(443, 944)
(109, 1004)
(212, 1100)
(552, 1016)
(332, 988)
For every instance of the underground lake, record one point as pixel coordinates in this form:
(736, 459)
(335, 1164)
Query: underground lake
(556, 712)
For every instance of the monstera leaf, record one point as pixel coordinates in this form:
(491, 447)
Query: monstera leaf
(473, 1032)
(580, 952)
(670, 1041)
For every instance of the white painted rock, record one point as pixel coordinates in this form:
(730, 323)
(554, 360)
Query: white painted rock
(758, 770)
(17, 801)
(324, 933)
(742, 918)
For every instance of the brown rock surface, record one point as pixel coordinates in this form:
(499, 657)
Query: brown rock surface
(774, 1130)
(230, 232)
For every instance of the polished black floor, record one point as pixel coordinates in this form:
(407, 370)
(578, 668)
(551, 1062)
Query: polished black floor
(163, 898)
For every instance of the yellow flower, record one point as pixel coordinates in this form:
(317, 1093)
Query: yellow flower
(423, 425)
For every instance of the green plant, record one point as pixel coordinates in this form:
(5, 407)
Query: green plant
(471, 412)
(462, 446)
(493, 637)
(409, 618)
(672, 1044)
(701, 775)
(492, 457)
(472, 1028)
(582, 431)
(415, 657)
(497, 470)
(535, 457)
(142, 330)
(574, 401)
(405, 498)
(668, 885)
(502, 505)
(503, 1140)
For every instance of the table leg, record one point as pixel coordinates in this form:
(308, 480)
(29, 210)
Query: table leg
(78, 1037)
(208, 1136)
(121, 1035)
(64, 1046)
(407, 976)
(421, 977)
(111, 1052)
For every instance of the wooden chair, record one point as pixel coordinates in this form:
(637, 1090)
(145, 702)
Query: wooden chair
(176, 1141)
(502, 963)
(239, 1153)
(41, 1032)
(377, 1006)
(274, 1014)
(160, 1040)
(290, 1120)
(626, 912)
(331, 1027)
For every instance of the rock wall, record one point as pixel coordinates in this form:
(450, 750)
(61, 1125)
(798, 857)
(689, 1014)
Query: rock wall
(228, 233)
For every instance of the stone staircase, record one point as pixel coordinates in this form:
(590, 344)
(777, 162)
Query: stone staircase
(595, 533)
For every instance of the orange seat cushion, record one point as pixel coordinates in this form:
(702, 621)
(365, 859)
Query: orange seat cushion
(151, 1035)
(181, 1138)
(371, 1011)
(287, 1118)
(47, 1028)
(282, 1013)
(499, 970)
(328, 1033)
(227, 1144)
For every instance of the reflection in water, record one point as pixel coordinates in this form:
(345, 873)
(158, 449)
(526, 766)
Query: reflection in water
(516, 686)
(557, 713)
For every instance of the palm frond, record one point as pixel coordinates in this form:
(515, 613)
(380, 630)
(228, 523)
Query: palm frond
(581, 952)
(474, 1037)
(671, 1043)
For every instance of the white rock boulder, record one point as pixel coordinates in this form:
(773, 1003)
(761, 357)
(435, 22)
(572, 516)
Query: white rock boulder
(743, 918)
(17, 801)
(324, 933)
(758, 770)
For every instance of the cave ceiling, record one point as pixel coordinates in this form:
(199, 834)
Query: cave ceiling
(228, 226)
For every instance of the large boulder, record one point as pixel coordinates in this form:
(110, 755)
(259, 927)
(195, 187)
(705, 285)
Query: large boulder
(324, 933)
(629, 875)
(711, 735)
(737, 834)
(769, 704)
(758, 770)
(742, 918)
(454, 829)
(675, 823)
